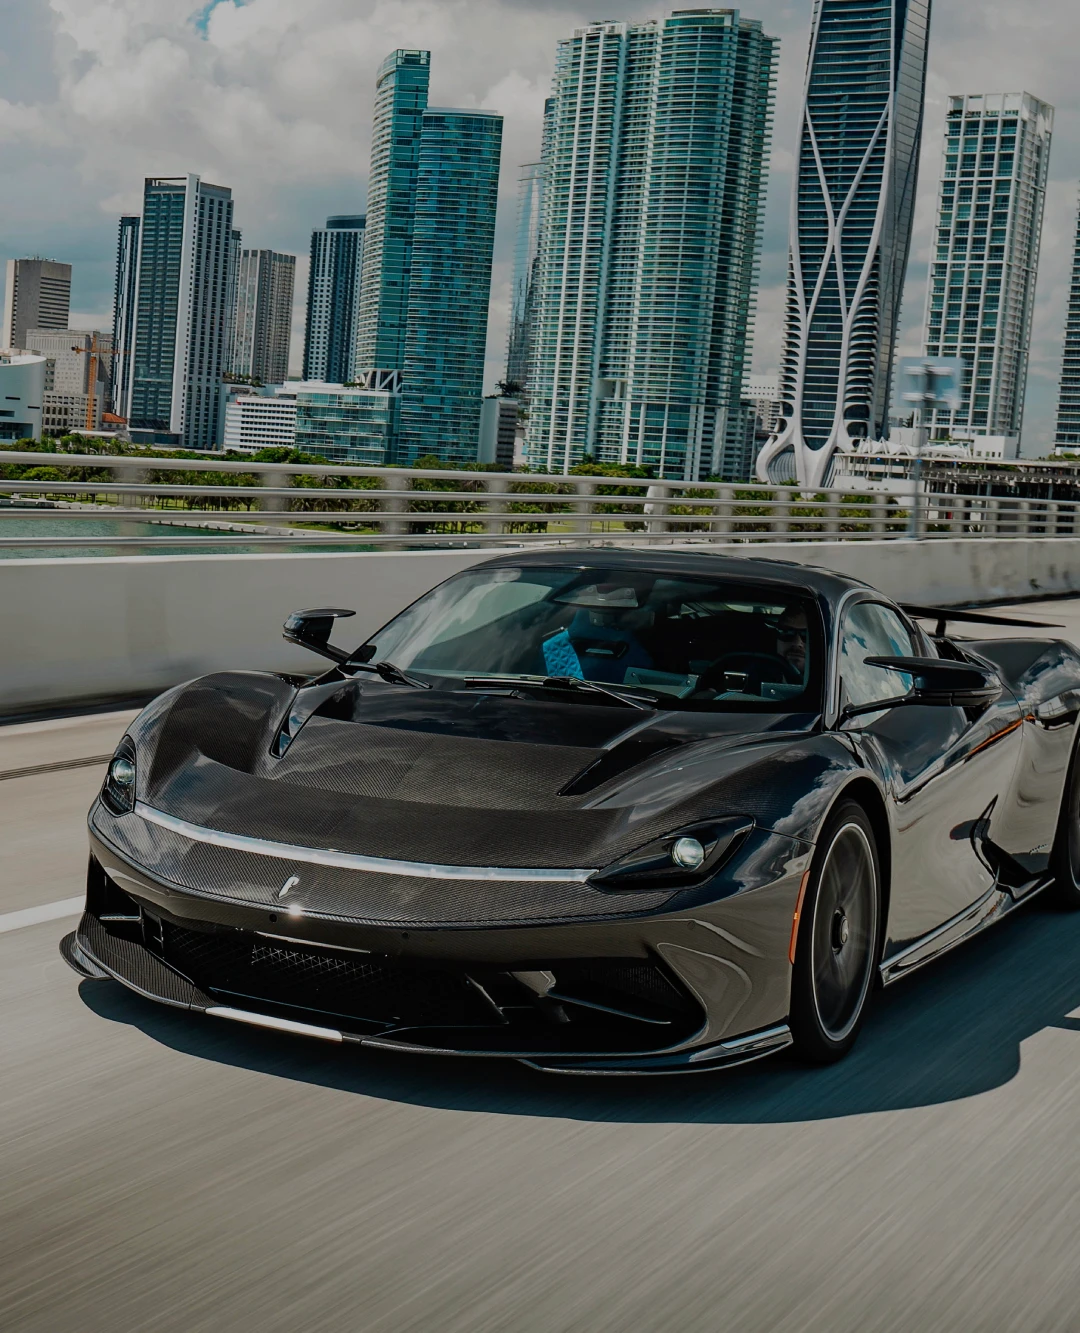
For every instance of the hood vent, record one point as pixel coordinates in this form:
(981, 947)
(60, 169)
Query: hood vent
(620, 760)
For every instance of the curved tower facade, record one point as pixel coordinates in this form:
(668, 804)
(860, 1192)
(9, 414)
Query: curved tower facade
(852, 209)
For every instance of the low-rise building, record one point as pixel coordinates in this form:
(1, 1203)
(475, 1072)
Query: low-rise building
(498, 432)
(257, 419)
(341, 423)
(62, 413)
(763, 393)
(347, 425)
(22, 388)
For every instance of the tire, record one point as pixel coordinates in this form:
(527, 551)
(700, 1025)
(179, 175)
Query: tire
(837, 946)
(1065, 856)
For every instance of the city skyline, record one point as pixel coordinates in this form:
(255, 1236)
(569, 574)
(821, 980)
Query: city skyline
(318, 143)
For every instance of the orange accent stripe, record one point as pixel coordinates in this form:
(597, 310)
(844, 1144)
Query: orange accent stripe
(999, 735)
(798, 913)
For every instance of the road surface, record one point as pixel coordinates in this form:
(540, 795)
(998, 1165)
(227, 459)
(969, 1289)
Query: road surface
(160, 1171)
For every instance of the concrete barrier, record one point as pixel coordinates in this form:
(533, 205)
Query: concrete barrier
(73, 631)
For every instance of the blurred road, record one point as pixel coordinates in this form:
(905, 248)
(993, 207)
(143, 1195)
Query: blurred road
(160, 1171)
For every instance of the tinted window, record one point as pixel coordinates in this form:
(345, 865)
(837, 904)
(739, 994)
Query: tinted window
(872, 630)
(690, 642)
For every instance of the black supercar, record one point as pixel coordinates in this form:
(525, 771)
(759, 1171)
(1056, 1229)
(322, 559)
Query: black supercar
(599, 811)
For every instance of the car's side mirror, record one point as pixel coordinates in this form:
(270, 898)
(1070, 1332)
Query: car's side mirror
(312, 629)
(936, 680)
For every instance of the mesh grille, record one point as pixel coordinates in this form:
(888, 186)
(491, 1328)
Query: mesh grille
(616, 979)
(352, 985)
(354, 895)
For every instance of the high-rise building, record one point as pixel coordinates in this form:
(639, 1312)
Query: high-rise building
(127, 265)
(457, 188)
(426, 268)
(401, 95)
(236, 250)
(981, 292)
(263, 320)
(37, 296)
(852, 205)
(337, 251)
(1067, 435)
(182, 304)
(526, 263)
(650, 242)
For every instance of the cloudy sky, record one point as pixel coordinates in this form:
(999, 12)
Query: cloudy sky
(273, 98)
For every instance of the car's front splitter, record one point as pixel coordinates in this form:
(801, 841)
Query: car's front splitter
(93, 953)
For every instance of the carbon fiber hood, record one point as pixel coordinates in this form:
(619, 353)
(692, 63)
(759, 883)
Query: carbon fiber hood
(453, 778)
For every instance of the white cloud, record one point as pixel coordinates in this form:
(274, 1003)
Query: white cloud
(274, 99)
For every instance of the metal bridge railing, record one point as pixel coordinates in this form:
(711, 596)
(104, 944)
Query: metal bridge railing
(248, 505)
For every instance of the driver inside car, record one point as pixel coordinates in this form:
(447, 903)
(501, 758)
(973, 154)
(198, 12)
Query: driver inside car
(792, 633)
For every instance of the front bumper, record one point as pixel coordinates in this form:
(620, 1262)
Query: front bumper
(661, 991)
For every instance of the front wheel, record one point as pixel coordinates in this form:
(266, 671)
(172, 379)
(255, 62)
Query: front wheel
(837, 942)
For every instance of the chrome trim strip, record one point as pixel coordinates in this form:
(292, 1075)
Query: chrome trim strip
(376, 865)
(278, 1024)
(308, 944)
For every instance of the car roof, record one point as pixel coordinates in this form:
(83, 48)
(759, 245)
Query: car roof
(786, 574)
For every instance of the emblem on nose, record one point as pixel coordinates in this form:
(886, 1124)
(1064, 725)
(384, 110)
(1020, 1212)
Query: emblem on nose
(290, 883)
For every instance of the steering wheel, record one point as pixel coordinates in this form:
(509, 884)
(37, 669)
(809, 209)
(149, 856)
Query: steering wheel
(713, 678)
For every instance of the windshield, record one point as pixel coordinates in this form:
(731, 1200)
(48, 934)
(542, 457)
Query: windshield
(684, 642)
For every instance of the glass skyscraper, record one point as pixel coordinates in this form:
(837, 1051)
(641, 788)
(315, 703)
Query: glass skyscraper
(1067, 434)
(853, 200)
(337, 251)
(401, 95)
(523, 282)
(127, 262)
(185, 286)
(426, 271)
(263, 321)
(457, 189)
(981, 293)
(649, 244)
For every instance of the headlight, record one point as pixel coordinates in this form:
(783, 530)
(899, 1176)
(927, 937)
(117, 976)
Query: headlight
(118, 791)
(685, 852)
(678, 860)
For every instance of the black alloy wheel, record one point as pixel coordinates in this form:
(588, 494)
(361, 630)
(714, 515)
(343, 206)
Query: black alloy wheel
(1065, 857)
(837, 944)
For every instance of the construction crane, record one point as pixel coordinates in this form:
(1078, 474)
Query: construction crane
(96, 353)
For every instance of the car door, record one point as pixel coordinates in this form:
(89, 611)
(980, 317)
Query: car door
(944, 769)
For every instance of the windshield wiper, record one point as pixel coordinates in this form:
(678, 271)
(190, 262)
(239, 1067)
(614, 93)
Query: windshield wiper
(572, 683)
(393, 675)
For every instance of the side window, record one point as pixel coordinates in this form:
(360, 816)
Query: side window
(872, 630)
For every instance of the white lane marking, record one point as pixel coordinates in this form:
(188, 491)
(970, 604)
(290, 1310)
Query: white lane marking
(33, 916)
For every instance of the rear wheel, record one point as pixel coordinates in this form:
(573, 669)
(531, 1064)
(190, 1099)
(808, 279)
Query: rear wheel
(837, 945)
(1065, 857)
